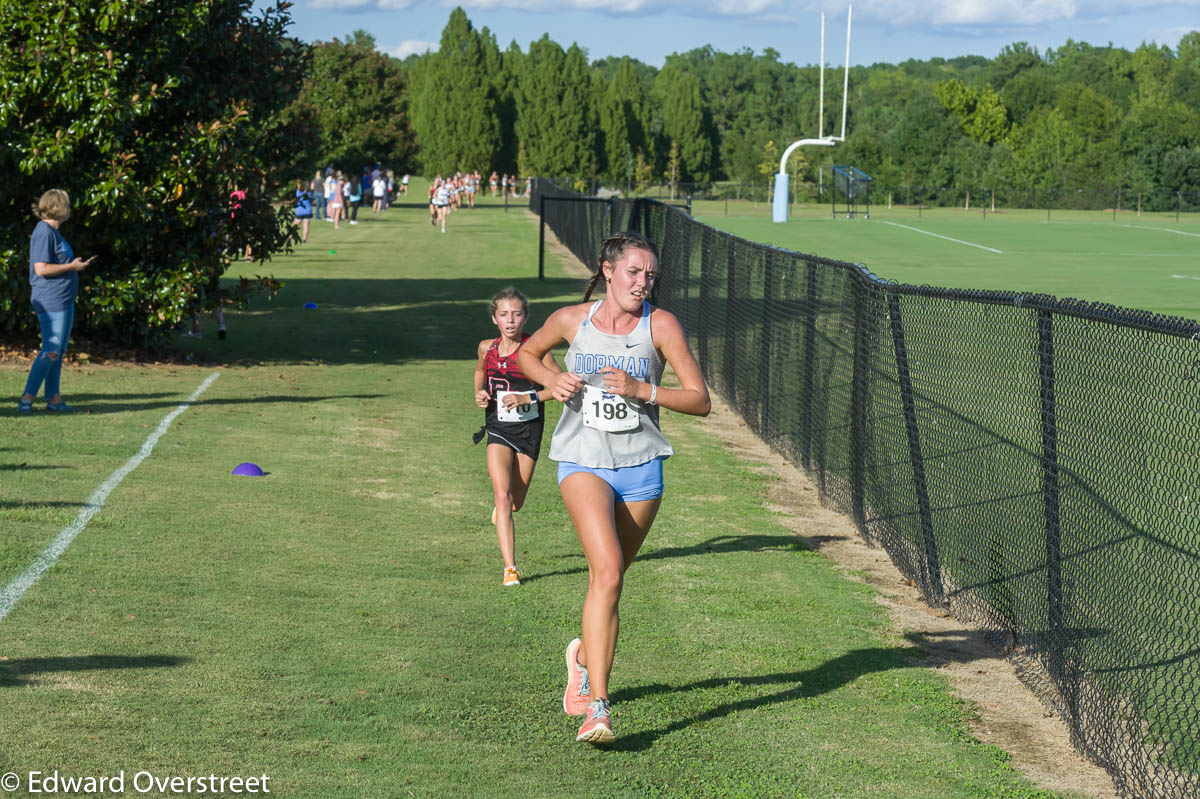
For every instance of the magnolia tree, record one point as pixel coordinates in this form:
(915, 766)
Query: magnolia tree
(149, 115)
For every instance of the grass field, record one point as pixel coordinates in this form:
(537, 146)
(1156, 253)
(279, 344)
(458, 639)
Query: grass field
(1149, 262)
(339, 625)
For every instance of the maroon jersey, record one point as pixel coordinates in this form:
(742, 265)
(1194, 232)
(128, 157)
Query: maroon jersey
(503, 374)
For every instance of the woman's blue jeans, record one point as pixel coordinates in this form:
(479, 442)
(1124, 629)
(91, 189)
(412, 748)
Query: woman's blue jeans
(56, 332)
(318, 206)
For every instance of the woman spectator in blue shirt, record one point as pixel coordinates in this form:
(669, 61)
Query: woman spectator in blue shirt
(54, 283)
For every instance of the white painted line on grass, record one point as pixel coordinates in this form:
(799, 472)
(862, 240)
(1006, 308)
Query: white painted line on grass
(1163, 229)
(940, 236)
(13, 592)
(1185, 277)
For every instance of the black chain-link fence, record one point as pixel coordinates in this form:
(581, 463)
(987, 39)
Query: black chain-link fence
(1032, 464)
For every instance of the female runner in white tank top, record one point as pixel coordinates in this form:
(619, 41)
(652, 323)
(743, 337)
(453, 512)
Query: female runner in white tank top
(608, 443)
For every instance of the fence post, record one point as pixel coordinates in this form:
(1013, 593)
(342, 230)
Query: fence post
(685, 299)
(808, 366)
(764, 367)
(541, 237)
(729, 344)
(934, 593)
(702, 330)
(1178, 204)
(1056, 644)
(858, 402)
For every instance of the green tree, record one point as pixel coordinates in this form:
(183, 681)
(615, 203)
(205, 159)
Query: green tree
(554, 113)
(456, 116)
(1014, 60)
(1188, 51)
(623, 120)
(980, 113)
(769, 165)
(148, 137)
(684, 121)
(1045, 151)
(643, 171)
(674, 167)
(359, 101)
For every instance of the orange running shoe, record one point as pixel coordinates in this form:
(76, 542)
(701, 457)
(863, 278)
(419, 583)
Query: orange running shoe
(575, 700)
(512, 576)
(597, 727)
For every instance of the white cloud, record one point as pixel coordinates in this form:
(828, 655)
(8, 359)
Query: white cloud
(1169, 36)
(949, 14)
(408, 47)
(344, 5)
(698, 8)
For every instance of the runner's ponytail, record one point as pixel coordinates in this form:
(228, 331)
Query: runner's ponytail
(587, 295)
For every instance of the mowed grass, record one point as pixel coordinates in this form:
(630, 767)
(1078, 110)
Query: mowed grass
(339, 624)
(1151, 262)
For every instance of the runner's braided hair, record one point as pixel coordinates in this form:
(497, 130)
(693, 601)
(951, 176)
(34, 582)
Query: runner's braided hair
(613, 248)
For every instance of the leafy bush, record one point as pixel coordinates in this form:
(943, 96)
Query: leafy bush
(148, 115)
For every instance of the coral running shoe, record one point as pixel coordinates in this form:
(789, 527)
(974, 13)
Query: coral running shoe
(512, 577)
(597, 727)
(578, 693)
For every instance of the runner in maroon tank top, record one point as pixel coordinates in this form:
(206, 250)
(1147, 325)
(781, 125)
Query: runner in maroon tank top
(514, 418)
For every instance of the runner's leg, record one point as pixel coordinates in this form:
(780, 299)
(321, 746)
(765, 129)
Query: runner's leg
(500, 467)
(633, 521)
(522, 476)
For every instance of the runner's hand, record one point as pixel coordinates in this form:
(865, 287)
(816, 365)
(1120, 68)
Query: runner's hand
(618, 382)
(481, 398)
(520, 398)
(566, 385)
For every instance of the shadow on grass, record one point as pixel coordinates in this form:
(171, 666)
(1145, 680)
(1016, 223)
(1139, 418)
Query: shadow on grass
(714, 546)
(10, 504)
(803, 684)
(88, 404)
(16, 672)
(374, 321)
(22, 467)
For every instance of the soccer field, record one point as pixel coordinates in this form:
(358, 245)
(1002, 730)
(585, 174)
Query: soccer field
(338, 625)
(1151, 262)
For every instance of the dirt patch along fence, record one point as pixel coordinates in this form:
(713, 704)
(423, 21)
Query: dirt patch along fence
(1031, 463)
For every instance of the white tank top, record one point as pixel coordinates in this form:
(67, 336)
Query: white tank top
(575, 440)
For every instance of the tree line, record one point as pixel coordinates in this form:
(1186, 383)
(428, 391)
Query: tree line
(151, 114)
(1079, 115)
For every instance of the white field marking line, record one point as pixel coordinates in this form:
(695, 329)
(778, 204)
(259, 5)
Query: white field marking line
(1185, 277)
(13, 592)
(940, 236)
(1163, 229)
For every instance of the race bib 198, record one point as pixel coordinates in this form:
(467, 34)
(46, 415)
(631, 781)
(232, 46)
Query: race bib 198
(517, 413)
(611, 413)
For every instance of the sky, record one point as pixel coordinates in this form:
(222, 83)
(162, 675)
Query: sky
(888, 31)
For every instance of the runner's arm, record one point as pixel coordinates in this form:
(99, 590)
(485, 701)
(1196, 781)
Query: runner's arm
(692, 395)
(561, 385)
(481, 395)
(549, 362)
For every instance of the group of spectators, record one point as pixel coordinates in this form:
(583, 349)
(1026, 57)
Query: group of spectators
(336, 196)
(506, 185)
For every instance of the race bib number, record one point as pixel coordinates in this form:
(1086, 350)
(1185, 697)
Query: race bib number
(611, 413)
(517, 413)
